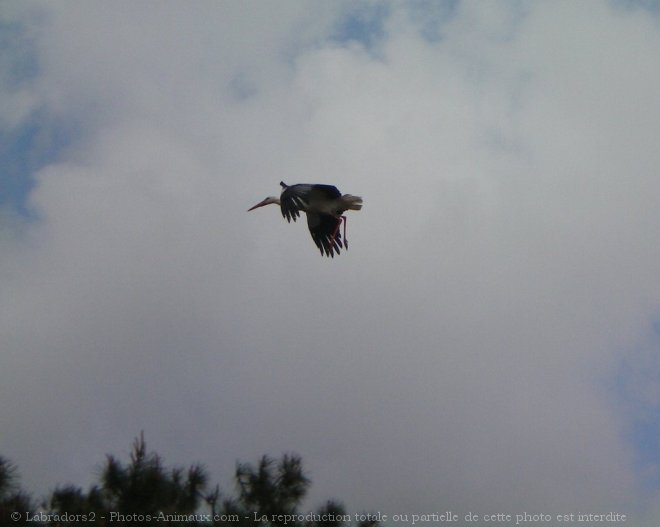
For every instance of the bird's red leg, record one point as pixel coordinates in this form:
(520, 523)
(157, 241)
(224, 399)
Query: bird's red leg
(345, 239)
(334, 234)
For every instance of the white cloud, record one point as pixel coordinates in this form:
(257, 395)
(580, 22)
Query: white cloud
(456, 356)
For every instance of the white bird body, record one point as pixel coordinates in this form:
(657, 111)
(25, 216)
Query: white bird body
(324, 206)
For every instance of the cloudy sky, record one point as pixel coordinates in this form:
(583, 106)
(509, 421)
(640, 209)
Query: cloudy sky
(488, 344)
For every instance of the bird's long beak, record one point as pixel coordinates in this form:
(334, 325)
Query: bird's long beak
(260, 204)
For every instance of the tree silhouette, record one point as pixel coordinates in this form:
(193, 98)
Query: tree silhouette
(272, 492)
(133, 494)
(272, 489)
(12, 499)
(145, 492)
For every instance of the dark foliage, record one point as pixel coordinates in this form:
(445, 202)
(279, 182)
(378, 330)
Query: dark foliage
(12, 499)
(145, 492)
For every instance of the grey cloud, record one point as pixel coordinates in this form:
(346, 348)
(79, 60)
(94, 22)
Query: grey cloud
(456, 356)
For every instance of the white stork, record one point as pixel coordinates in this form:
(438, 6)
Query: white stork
(324, 206)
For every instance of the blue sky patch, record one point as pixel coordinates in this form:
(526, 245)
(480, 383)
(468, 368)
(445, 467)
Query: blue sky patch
(23, 148)
(364, 24)
(431, 16)
(23, 152)
(17, 56)
(652, 6)
(646, 438)
(634, 385)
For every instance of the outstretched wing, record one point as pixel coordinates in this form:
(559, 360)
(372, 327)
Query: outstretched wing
(293, 200)
(324, 229)
(299, 198)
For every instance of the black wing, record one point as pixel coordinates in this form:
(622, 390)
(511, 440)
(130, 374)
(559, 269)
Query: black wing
(324, 229)
(296, 198)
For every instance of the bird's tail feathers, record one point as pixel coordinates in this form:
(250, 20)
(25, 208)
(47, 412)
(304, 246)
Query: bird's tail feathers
(353, 202)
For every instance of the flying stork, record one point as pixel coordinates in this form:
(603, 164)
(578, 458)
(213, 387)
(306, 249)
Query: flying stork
(324, 206)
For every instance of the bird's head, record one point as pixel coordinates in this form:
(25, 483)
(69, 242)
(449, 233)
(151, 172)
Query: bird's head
(268, 201)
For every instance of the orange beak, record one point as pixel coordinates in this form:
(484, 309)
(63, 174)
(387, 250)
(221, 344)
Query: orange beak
(268, 201)
(260, 204)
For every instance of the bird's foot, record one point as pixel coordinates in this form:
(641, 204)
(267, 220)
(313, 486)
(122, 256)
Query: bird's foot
(345, 239)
